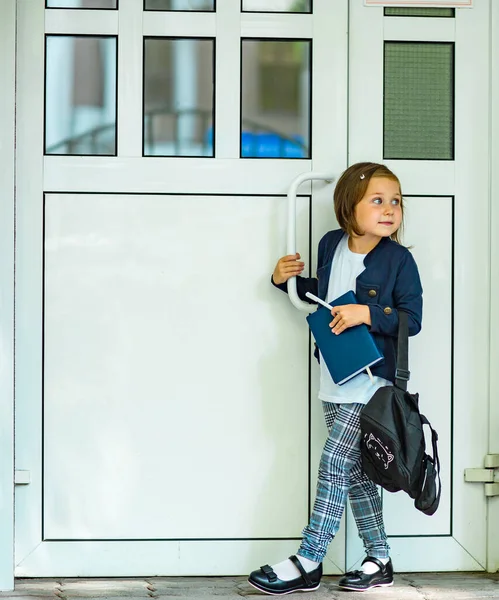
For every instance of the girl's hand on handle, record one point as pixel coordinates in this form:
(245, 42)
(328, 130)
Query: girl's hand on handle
(349, 315)
(286, 267)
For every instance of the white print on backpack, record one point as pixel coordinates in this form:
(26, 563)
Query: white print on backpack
(381, 453)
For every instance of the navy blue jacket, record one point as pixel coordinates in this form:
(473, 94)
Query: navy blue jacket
(389, 282)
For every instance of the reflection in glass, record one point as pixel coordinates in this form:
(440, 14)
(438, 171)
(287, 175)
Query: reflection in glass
(95, 4)
(178, 97)
(299, 6)
(80, 95)
(195, 5)
(276, 99)
(419, 100)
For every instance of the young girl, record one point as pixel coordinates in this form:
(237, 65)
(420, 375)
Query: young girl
(365, 256)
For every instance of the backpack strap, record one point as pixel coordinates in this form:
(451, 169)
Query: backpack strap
(435, 463)
(436, 459)
(402, 373)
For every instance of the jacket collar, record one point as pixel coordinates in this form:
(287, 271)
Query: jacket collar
(380, 246)
(334, 240)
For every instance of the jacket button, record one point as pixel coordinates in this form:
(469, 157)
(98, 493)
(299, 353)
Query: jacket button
(387, 310)
(372, 293)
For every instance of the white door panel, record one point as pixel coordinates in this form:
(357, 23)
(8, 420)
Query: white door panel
(429, 234)
(167, 366)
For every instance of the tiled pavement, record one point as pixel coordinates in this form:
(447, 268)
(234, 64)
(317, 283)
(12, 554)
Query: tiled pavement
(410, 586)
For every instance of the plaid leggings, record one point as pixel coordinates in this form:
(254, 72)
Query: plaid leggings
(341, 475)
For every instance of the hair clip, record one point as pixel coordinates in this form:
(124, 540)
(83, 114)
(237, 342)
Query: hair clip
(362, 176)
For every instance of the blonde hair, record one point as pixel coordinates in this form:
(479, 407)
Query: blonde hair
(350, 190)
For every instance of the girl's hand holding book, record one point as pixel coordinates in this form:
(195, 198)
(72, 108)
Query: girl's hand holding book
(349, 315)
(286, 267)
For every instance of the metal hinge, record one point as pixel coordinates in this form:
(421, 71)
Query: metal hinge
(489, 475)
(22, 477)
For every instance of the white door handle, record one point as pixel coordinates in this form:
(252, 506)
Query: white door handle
(291, 242)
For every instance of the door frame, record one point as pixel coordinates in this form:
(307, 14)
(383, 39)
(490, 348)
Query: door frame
(7, 181)
(7, 275)
(493, 503)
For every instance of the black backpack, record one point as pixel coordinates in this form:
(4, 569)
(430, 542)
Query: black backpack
(393, 444)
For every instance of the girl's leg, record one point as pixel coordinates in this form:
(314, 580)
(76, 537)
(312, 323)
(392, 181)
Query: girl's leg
(341, 452)
(377, 568)
(367, 510)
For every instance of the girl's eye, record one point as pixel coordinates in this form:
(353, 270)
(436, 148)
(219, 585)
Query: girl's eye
(395, 202)
(377, 201)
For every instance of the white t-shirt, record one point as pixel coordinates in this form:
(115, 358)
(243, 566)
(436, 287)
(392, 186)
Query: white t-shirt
(346, 267)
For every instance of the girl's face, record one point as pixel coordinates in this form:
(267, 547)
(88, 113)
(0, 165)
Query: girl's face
(379, 213)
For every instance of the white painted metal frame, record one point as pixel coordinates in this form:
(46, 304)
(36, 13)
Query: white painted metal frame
(421, 3)
(472, 285)
(129, 99)
(465, 549)
(29, 247)
(7, 124)
(87, 22)
(493, 503)
(329, 136)
(407, 29)
(291, 243)
(114, 174)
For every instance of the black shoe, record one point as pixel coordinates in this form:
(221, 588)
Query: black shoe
(358, 581)
(267, 581)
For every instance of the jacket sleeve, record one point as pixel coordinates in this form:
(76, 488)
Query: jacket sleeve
(303, 285)
(407, 296)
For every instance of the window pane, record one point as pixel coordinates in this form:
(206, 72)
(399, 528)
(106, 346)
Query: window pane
(419, 12)
(199, 5)
(178, 97)
(299, 6)
(419, 100)
(82, 4)
(80, 95)
(276, 86)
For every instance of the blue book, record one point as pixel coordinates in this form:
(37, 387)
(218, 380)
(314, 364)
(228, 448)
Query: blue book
(349, 353)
